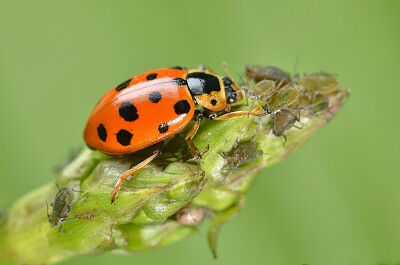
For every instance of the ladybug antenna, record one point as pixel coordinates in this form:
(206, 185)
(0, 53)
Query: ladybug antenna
(225, 66)
(242, 88)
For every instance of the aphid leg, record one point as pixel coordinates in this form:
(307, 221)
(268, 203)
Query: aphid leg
(125, 175)
(79, 191)
(79, 198)
(280, 85)
(63, 221)
(247, 97)
(255, 112)
(191, 134)
(284, 136)
(251, 107)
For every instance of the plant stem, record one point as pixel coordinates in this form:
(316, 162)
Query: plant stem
(144, 214)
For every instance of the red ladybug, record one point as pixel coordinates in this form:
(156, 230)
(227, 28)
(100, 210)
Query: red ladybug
(153, 106)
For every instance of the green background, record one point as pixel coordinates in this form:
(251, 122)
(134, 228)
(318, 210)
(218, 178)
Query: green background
(334, 201)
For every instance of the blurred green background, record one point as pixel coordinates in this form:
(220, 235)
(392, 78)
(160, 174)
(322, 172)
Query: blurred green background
(334, 201)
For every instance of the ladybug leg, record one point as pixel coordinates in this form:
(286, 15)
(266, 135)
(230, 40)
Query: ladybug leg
(125, 175)
(228, 74)
(234, 114)
(191, 134)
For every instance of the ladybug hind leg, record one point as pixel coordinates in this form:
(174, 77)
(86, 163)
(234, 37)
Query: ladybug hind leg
(125, 175)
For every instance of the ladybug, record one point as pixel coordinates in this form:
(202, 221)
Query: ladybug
(155, 105)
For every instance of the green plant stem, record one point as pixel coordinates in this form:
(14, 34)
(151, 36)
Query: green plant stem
(144, 214)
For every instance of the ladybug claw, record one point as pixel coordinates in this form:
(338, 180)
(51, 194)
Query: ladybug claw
(114, 194)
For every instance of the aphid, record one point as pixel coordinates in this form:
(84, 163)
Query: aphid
(321, 82)
(315, 91)
(259, 73)
(261, 91)
(245, 151)
(280, 101)
(283, 120)
(62, 206)
(282, 98)
(150, 107)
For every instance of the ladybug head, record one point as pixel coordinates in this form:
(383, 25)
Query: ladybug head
(230, 90)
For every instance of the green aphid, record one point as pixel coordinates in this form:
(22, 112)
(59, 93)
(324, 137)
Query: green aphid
(282, 98)
(272, 96)
(62, 206)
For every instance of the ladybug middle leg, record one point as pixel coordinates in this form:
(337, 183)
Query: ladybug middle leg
(191, 134)
(125, 175)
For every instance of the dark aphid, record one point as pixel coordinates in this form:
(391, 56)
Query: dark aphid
(284, 119)
(259, 73)
(243, 152)
(191, 215)
(62, 206)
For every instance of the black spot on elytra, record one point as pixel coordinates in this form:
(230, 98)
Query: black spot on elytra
(102, 132)
(123, 85)
(213, 102)
(128, 111)
(124, 137)
(163, 128)
(151, 76)
(182, 107)
(155, 96)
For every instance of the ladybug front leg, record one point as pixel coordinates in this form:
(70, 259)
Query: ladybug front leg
(124, 176)
(234, 114)
(191, 134)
